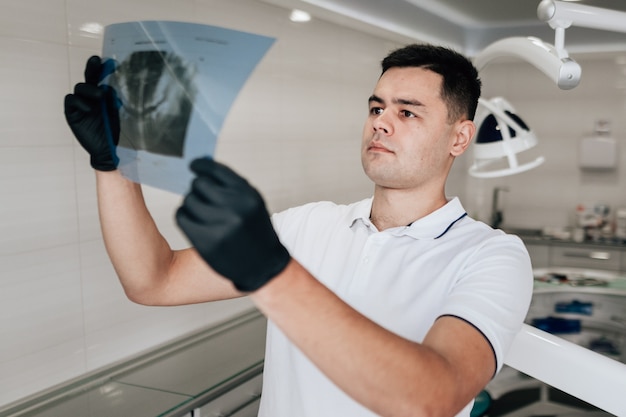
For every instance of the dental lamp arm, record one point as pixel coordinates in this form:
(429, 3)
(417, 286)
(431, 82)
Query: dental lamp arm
(564, 71)
(562, 14)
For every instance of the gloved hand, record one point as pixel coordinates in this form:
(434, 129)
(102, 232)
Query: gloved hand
(225, 219)
(92, 114)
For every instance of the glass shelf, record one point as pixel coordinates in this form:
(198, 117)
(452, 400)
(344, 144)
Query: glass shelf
(170, 380)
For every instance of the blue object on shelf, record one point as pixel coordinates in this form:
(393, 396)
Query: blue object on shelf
(482, 402)
(604, 345)
(574, 307)
(557, 325)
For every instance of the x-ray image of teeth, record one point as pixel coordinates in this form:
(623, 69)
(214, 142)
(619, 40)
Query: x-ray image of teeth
(157, 93)
(176, 83)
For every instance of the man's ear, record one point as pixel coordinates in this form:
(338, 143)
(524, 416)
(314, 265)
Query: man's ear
(464, 133)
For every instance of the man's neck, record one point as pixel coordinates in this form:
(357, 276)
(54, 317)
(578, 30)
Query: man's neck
(395, 208)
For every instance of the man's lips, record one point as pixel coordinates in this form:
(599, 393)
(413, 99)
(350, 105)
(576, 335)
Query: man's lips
(377, 147)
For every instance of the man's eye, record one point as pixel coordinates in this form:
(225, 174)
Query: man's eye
(407, 113)
(376, 110)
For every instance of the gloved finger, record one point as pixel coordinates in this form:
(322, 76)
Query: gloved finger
(112, 116)
(93, 69)
(198, 208)
(111, 98)
(193, 216)
(219, 173)
(185, 222)
(212, 192)
(108, 67)
(193, 207)
(74, 106)
(203, 167)
(88, 91)
(190, 226)
(203, 188)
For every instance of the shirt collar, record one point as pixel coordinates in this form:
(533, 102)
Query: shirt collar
(432, 226)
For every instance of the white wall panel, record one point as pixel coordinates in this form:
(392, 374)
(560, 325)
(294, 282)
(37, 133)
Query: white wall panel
(33, 80)
(38, 207)
(42, 20)
(41, 319)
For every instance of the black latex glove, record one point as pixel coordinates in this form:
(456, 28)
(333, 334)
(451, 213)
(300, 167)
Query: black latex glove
(92, 114)
(225, 219)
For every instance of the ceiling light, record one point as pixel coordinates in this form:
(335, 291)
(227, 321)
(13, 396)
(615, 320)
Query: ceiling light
(299, 16)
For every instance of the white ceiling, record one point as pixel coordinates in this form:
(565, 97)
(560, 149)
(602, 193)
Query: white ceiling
(468, 25)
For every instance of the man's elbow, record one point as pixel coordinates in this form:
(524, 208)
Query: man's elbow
(424, 409)
(143, 295)
(444, 403)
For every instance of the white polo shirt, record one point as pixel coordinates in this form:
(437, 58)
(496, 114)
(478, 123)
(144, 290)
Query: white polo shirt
(403, 279)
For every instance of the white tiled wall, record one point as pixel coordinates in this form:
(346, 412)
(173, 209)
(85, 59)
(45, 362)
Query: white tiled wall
(294, 132)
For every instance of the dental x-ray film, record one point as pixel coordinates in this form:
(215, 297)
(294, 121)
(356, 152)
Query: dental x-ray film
(175, 83)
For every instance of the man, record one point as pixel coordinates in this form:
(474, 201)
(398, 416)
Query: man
(395, 305)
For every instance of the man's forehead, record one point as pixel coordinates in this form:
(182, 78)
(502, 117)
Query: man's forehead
(409, 84)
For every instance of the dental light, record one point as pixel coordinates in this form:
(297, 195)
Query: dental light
(501, 136)
(553, 61)
(501, 133)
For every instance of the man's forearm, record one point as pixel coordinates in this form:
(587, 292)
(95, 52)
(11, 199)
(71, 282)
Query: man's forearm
(139, 253)
(386, 373)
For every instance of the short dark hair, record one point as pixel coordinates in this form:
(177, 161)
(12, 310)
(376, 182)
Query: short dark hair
(460, 87)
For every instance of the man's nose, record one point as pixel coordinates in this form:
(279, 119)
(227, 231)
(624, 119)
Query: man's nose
(383, 124)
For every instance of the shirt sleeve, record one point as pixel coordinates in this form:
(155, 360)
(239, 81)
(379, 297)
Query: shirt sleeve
(494, 291)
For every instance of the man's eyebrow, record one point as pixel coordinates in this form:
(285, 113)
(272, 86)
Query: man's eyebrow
(406, 102)
(376, 99)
